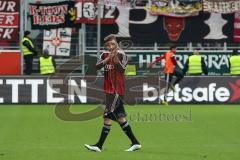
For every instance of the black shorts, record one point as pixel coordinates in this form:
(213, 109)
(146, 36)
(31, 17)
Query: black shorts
(177, 72)
(114, 107)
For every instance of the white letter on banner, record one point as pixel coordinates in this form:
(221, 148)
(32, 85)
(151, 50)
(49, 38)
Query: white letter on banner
(15, 83)
(147, 90)
(81, 93)
(123, 20)
(34, 84)
(51, 91)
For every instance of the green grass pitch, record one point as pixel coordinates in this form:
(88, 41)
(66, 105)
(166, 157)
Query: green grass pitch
(175, 132)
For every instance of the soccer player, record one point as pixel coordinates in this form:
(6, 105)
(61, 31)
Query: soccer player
(114, 62)
(170, 69)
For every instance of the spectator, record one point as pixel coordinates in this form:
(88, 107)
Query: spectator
(47, 63)
(234, 63)
(195, 65)
(28, 52)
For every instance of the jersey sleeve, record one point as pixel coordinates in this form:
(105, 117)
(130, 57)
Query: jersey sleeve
(173, 60)
(158, 59)
(123, 60)
(100, 64)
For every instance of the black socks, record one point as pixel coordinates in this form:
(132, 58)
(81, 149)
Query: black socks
(104, 134)
(106, 129)
(127, 129)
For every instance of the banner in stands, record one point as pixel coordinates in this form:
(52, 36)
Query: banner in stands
(217, 62)
(236, 37)
(9, 22)
(119, 3)
(57, 41)
(142, 27)
(175, 8)
(10, 62)
(221, 6)
(86, 12)
(51, 15)
(200, 90)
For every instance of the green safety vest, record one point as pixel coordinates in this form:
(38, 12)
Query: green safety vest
(46, 65)
(130, 70)
(195, 65)
(25, 50)
(235, 65)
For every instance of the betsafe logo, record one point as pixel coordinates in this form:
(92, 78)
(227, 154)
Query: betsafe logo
(211, 92)
(189, 94)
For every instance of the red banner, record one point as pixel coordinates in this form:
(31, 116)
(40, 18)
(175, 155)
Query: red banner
(9, 23)
(236, 35)
(10, 62)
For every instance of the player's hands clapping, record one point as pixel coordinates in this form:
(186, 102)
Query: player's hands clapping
(113, 56)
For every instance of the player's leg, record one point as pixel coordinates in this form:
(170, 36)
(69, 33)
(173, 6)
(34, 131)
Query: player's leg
(128, 131)
(120, 115)
(179, 74)
(28, 64)
(106, 124)
(104, 133)
(168, 80)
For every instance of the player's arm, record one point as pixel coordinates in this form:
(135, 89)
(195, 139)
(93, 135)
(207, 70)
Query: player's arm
(158, 59)
(174, 60)
(27, 44)
(101, 62)
(204, 67)
(120, 61)
(54, 63)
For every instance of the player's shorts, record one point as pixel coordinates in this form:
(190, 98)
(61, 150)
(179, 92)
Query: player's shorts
(114, 107)
(177, 72)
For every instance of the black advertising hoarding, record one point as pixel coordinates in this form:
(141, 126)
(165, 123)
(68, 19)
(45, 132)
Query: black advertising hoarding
(51, 15)
(200, 90)
(9, 23)
(138, 90)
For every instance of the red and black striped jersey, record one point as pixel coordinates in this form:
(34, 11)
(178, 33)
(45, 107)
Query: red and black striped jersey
(113, 72)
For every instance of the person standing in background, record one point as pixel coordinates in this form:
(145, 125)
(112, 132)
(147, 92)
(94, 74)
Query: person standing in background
(47, 63)
(195, 65)
(28, 52)
(234, 63)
